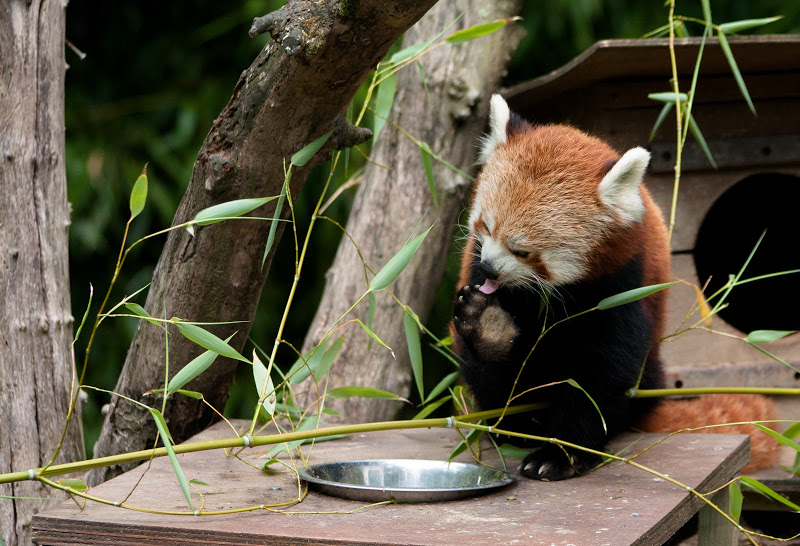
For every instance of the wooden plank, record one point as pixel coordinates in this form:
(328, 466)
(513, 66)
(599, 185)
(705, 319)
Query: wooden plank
(616, 504)
(714, 529)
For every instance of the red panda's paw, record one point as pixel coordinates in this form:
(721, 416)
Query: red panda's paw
(483, 324)
(549, 463)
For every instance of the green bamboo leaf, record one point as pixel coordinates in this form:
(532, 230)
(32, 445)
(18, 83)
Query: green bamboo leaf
(467, 34)
(309, 423)
(198, 482)
(430, 408)
(161, 425)
(264, 385)
(698, 136)
(229, 209)
(424, 80)
(747, 24)
(575, 384)
(512, 451)
(397, 263)
(765, 336)
(783, 440)
(73, 483)
(139, 194)
(667, 96)
(793, 431)
(273, 228)
(309, 150)
(307, 363)
(736, 500)
(726, 49)
(371, 308)
(384, 98)
(473, 436)
(408, 52)
(207, 340)
(194, 368)
(85, 316)
(414, 351)
(660, 119)
(443, 385)
(706, 10)
(426, 152)
(363, 392)
(630, 296)
(191, 394)
(137, 309)
(328, 359)
(767, 492)
(374, 336)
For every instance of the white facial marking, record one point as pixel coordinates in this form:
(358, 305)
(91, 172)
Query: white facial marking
(619, 189)
(499, 115)
(510, 270)
(564, 265)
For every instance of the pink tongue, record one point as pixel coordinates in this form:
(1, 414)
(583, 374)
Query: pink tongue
(489, 286)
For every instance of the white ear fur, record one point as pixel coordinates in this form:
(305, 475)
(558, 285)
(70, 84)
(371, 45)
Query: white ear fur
(499, 115)
(619, 189)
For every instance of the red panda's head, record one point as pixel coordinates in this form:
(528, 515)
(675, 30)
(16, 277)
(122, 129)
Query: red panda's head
(550, 201)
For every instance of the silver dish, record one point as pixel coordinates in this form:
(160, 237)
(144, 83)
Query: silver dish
(407, 480)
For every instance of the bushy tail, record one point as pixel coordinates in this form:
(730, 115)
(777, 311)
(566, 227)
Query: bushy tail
(715, 409)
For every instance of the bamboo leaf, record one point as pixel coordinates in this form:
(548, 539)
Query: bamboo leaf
(198, 482)
(137, 309)
(328, 359)
(661, 117)
(512, 451)
(783, 440)
(698, 136)
(397, 263)
(668, 97)
(414, 351)
(726, 49)
(473, 436)
(372, 303)
(765, 336)
(229, 209)
(407, 53)
(442, 386)
(374, 336)
(207, 340)
(767, 492)
(363, 392)
(575, 384)
(384, 99)
(264, 385)
(702, 305)
(161, 425)
(736, 500)
(746, 24)
(191, 394)
(308, 423)
(194, 368)
(484, 29)
(630, 296)
(73, 483)
(273, 228)
(426, 152)
(139, 194)
(309, 150)
(303, 366)
(430, 408)
(793, 431)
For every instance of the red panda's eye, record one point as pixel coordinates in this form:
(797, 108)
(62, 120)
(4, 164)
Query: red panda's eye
(521, 253)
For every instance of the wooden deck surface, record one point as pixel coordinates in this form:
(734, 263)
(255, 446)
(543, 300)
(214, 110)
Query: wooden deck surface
(615, 505)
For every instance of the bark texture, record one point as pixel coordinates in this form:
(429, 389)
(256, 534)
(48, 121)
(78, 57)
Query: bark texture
(35, 320)
(390, 203)
(297, 89)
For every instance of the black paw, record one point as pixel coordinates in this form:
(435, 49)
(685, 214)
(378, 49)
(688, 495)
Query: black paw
(550, 463)
(469, 306)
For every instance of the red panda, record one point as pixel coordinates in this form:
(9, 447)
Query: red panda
(560, 221)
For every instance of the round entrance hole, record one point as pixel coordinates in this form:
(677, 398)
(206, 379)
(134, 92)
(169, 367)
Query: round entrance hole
(729, 233)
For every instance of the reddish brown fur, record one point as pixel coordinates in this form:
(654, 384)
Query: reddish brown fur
(675, 415)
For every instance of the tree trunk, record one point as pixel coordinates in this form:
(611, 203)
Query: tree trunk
(297, 89)
(36, 371)
(389, 204)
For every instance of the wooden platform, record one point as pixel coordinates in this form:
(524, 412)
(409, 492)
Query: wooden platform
(615, 505)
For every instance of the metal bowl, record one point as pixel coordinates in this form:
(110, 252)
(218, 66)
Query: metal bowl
(406, 480)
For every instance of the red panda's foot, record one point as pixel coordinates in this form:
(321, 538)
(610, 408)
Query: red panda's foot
(550, 463)
(483, 324)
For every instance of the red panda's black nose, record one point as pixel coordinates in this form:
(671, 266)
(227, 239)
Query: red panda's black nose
(487, 270)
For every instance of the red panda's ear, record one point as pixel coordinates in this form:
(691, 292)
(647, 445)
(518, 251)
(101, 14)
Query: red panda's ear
(619, 189)
(499, 116)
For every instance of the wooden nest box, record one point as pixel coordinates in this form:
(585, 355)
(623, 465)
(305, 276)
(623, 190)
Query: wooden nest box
(722, 212)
